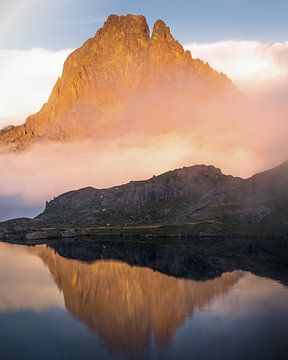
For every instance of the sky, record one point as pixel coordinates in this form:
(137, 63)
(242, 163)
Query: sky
(245, 39)
(58, 24)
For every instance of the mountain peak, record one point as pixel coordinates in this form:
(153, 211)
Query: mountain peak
(136, 24)
(127, 24)
(120, 62)
(161, 29)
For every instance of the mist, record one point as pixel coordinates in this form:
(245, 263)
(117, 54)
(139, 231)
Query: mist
(240, 146)
(156, 130)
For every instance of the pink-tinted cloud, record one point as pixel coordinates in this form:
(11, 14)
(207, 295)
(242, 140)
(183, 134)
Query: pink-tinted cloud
(252, 65)
(241, 137)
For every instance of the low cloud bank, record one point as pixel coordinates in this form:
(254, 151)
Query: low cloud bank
(252, 65)
(47, 170)
(153, 138)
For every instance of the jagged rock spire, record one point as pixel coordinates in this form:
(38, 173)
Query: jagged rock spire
(120, 60)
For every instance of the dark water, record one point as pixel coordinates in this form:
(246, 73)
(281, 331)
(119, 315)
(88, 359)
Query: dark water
(55, 308)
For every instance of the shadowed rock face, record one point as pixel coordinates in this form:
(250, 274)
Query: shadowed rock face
(193, 201)
(193, 195)
(170, 197)
(112, 73)
(127, 305)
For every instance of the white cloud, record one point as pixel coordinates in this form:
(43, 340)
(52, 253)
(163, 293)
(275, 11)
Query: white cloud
(27, 77)
(253, 65)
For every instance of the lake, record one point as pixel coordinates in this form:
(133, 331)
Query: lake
(53, 307)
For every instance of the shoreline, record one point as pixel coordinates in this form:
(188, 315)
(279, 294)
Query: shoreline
(27, 234)
(198, 259)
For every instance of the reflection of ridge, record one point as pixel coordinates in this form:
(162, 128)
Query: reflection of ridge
(127, 305)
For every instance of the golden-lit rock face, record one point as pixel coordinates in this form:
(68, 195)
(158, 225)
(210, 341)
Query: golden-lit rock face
(110, 73)
(126, 305)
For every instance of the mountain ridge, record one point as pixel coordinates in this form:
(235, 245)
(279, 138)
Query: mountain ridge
(192, 194)
(192, 200)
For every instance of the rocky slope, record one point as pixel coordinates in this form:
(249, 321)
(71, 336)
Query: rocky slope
(120, 69)
(197, 200)
(190, 195)
(179, 196)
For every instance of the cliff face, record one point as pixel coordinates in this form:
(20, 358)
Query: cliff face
(195, 195)
(118, 67)
(178, 196)
(193, 201)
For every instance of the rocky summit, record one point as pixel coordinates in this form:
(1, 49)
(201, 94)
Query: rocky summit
(112, 73)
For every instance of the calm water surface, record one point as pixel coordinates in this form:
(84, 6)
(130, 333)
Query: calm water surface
(55, 308)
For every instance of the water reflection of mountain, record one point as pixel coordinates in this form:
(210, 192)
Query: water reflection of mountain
(126, 305)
